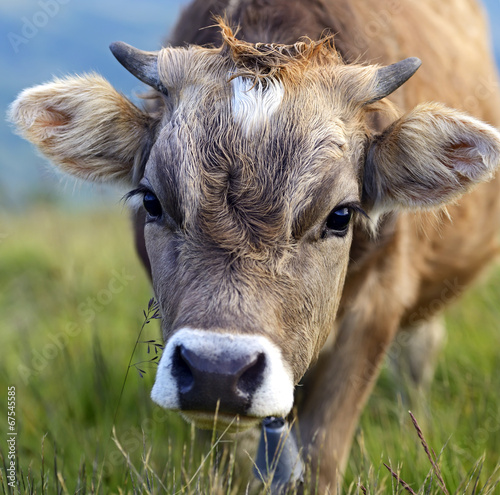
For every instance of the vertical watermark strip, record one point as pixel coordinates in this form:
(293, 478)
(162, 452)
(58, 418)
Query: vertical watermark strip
(11, 436)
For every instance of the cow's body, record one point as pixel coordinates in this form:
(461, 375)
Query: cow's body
(420, 262)
(402, 266)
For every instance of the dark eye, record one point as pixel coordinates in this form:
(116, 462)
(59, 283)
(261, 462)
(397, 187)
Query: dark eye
(152, 205)
(338, 221)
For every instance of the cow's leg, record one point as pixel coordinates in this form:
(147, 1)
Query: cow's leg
(415, 352)
(337, 391)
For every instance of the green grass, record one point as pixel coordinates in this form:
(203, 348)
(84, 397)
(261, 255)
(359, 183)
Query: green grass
(71, 301)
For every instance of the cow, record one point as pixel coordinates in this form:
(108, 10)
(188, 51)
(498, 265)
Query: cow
(301, 192)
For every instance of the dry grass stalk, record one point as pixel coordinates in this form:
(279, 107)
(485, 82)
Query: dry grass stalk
(435, 466)
(403, 483)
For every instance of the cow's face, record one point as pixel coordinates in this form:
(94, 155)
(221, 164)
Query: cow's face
(251, 191)
(253, 171)
(250, 206)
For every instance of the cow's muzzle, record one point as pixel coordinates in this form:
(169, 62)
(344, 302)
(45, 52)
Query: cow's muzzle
(203, 371)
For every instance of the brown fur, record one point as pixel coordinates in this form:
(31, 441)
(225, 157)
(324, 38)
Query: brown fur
(78, 123)
(243, 247)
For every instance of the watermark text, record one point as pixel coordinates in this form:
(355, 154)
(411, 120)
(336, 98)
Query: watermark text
(11, 436)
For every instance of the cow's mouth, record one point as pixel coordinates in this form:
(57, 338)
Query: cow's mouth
(223, 422)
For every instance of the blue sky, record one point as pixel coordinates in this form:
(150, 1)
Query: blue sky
(45, 38)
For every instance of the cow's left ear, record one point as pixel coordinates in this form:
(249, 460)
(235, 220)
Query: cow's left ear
(85, 127)
(428, 157)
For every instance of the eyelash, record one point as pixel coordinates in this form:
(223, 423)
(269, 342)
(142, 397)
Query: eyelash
(150, 203)
(354, 209)
(140, 191)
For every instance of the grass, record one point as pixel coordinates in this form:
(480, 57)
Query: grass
(71, 300)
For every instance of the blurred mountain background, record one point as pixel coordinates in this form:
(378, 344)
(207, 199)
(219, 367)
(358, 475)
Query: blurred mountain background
(41, 39)
(45, 38)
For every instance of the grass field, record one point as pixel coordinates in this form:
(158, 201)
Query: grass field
(71, 307)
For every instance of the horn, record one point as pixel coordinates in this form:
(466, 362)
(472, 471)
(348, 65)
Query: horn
(143, 65)
(393, 76)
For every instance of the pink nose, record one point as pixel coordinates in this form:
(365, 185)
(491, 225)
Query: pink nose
(203, 381)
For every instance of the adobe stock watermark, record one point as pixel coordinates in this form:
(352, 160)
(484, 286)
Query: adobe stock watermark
(451, 291)
(10, 462)
(378, 24)
(87, 311)
(490, 426)
(32, 25)
(485, 89)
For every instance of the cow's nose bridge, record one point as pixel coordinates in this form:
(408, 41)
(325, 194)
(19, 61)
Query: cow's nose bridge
(229, 313)
(244, 374)
(221, 293)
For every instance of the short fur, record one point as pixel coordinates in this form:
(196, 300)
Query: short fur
(52, 115)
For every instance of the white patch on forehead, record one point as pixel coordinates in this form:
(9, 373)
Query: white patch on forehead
(254, 103)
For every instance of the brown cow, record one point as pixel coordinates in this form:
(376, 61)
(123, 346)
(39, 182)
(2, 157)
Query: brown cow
(284, 199)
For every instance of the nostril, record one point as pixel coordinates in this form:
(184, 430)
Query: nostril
(204, 379)
(182, 371)
(252, 376)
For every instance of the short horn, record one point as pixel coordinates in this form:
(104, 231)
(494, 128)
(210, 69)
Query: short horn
(393, 76)
(143, 65)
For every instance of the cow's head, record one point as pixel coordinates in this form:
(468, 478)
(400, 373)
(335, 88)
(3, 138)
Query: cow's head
(253, 170)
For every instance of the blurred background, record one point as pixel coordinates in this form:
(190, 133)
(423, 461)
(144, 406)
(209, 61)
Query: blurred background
(46, 38)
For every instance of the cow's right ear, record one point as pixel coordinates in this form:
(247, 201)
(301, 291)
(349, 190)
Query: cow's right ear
(84, 126)
(427, 158)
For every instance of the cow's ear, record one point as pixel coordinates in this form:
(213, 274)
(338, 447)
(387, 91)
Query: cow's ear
(427, 158)
(84, 126)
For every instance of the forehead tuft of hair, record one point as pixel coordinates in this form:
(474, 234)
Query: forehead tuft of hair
(266, 60)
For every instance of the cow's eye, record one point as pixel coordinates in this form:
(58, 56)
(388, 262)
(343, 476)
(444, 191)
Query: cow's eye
(152, 205)
(338, 221)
